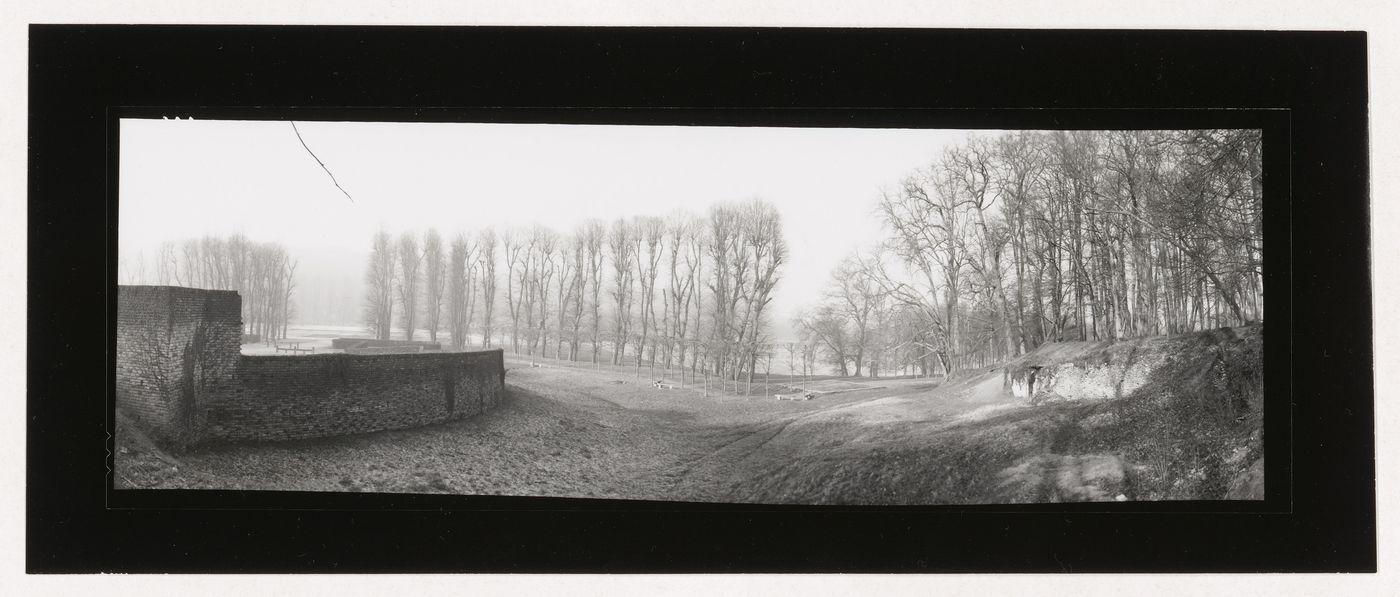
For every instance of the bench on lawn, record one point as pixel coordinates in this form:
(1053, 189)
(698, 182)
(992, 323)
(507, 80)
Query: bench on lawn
(293, 347)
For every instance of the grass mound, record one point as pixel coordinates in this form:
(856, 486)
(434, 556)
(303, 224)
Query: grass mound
(1192, 431)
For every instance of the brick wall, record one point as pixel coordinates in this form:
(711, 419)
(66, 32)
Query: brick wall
(279, 397)
(179, 372)
(174, 346)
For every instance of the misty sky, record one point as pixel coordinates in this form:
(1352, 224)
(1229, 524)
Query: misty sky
(182, 179)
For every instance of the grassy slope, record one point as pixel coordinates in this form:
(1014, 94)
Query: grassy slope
(1193, 428)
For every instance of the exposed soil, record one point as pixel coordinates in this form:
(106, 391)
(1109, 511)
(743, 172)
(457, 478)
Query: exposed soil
(577, 432)
(558, 431)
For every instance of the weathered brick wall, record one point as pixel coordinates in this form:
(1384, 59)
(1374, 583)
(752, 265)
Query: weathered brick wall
(280, 397)
(173, 346)
(180, 373)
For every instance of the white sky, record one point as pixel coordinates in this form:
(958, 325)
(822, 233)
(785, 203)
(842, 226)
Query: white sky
(180, 179)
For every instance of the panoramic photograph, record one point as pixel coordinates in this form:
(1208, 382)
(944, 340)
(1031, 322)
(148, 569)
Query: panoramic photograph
(754, 315)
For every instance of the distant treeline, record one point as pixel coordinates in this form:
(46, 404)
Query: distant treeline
(262, 273)
(681, 292)
(999, 245)
(1002, 244)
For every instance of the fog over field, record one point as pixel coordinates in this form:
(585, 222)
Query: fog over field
(188, 179)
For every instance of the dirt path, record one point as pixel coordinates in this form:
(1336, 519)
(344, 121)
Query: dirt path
(559, 432)
(715, 446)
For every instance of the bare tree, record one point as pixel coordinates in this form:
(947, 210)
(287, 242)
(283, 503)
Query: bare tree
(380, 276)
(1020, 162)
(924, 217)
(828, 329)
(621, 249)
(517, 268)
(472, 274)
(214, 262)
(592, 234)
(287, 284)
(763, 234)
(457, 318)
(434, 281)
(856, 296)
(135, 270)
(695, 270)
(681, 230)
(410, 267)
(570, 286)
(486, 268)
(1075, 235)
(264, 275)
(168, 264)
(647, 253)
(545, 243)
(726, 280)
(974, 171)
(746, 250)
(239, 254)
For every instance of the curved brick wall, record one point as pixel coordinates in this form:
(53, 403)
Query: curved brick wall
(180, 373)
(284, 397)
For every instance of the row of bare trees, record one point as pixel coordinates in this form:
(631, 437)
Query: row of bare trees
(430, 285)
(1006, 243)
(677, 291)
(263, 273)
